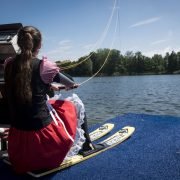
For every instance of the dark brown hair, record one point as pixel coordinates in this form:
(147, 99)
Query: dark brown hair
(29, 41)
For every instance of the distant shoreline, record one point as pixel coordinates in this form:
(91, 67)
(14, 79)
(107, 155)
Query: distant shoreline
(134, 74)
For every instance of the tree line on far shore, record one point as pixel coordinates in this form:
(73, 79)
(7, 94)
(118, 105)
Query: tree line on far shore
(118, 64)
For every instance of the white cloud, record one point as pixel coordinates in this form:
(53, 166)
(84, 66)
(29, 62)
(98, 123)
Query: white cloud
(161, 51)
(168, 38)
(88, 46)
(64, 42)
(59, 50)
(62, 50)
(159, 41)
(145, 22)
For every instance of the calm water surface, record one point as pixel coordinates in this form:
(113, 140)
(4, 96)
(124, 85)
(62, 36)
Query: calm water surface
(107, 97)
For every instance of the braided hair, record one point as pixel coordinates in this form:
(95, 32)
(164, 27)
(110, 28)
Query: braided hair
(29, 42)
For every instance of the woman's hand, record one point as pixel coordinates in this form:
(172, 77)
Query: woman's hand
(72, 87)
(55, 87)
(58, 87)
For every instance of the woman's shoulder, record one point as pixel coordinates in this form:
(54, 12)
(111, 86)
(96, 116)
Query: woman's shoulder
(48, 63)
(48, 70)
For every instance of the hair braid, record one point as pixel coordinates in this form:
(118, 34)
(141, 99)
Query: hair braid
(29, 40)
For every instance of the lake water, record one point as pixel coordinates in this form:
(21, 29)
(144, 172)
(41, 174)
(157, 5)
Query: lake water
(108, 97)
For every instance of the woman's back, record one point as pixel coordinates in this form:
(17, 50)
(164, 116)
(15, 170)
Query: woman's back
(35, 112)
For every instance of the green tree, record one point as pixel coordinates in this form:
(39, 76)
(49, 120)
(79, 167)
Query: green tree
(83, 69)
(112, 62)
(158, 63)
(178, 60)
(99, 59)
(139, 62)
(129, 62)
(172, 62)
(148, 67)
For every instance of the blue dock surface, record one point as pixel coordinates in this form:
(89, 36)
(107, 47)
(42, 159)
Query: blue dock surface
(152, 153)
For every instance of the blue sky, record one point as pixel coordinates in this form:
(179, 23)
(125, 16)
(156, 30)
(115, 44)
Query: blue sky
(73, 28)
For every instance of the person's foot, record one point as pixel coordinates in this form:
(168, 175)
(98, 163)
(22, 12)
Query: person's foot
(87, 146)
(92, 148)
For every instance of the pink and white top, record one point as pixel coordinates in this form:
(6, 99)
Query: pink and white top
(48, 69)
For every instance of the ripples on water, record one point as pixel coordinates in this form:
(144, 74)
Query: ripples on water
(107, 97)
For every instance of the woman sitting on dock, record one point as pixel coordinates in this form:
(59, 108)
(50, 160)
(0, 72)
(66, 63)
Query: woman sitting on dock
(40, 138)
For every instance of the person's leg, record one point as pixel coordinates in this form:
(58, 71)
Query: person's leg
(88, 144)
